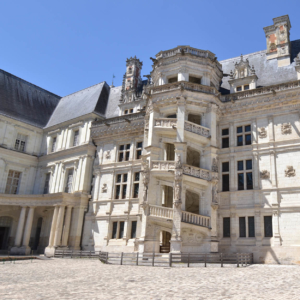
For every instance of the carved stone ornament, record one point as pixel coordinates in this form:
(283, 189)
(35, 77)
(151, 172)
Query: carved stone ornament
(264, 174)
(107, 154)
(286, 128)
(104, 188)
(215, 195)
(177, 190)
(214, 167)
(178, 162)
(262, 133)
(290, 171)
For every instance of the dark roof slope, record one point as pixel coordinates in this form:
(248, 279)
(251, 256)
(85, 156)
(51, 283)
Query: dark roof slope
(267, 71)
(90, 100)
(25, 101)
(113, 102)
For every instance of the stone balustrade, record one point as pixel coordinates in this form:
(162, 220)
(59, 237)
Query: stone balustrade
(184, 85)
(165, 122)
(196, 172)
(195, 219)
(161, 212)
(162, 165)
(272, 89)
(195, 128)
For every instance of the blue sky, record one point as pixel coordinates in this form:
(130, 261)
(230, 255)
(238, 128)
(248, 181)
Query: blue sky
(65, 46)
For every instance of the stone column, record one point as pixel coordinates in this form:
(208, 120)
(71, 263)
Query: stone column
(78, 227)
(180, 119)
(59, 224)
(49, 251)
(20, 227)
(66, 228)
(27, 231)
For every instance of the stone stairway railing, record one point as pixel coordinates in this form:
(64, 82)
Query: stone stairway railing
(161, 212)
(197, 129)
(195, 219)
(165, 122)
(162, 165)
(196, 172)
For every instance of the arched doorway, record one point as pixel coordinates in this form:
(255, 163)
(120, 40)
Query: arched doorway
(5, 226)
(165, 244)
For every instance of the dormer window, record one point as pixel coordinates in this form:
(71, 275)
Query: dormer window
(246, 87)
(173, 79)
(239, 89)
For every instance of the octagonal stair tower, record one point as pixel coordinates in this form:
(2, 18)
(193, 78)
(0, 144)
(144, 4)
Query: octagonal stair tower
(180, 166)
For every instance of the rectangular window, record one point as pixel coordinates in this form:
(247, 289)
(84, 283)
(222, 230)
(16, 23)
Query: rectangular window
(225, 176)
(12, 184)
(124, 152)
(131, 111)
(195, 79)
(121, 186)
(126, 112)
(240, 181)
(238, 88)
(268, 226)
(225, 138)
(133, 229)
(243, 138)
(245, 180)
(246, 87)
(226, 227)
(20, 142)
(53, 147)
(139, 148)
(69, 181)
(251, 227)
(76, 138)
(242, 221)
(121, 230)
(114, 230)
(136, 185)
(47, 182)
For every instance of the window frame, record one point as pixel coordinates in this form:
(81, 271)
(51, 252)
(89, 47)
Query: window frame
(117, 230)
(45, 181)
(136, 183)
(244, 172)
(243, 135)
(75, 138)
(16, 187)
(138, 149)
(66, 185)
(227, 174)
(122, 185)
(53, 144)
(225, 235)
(225, 136)
(131, 227)
(265, 227)
(125, 152)
(21, 142)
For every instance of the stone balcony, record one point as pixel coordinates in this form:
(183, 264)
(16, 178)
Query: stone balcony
(167, 214)
(169, 165)
(184, 85)
(197, 129)
(165, 123)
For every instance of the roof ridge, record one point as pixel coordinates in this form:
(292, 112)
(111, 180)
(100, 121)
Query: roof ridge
(85, 88)
(29, 83)
(244, 55)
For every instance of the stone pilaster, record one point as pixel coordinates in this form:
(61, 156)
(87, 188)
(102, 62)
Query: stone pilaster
(27, 232)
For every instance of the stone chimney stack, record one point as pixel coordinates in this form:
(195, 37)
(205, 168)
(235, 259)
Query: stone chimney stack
(278, 40)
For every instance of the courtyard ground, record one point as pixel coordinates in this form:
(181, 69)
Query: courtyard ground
(90, 279)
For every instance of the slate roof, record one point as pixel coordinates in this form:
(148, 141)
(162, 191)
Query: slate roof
(25, 101)
(267, 71)
(113, 102)
(90, 100)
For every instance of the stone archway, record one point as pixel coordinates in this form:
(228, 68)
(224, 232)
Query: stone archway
(5, 228)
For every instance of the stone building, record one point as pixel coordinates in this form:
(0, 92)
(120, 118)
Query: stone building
(202, 156)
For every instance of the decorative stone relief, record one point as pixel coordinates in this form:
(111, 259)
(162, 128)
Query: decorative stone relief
(146, 174)
(214, 167)
(108, 154)
(286, 128)
(104, 188)
(262, 133)
(215, 196)
(264, 174)
(191, 237)
(290, 171)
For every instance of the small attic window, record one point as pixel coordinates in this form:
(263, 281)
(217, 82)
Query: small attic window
(131, 111)
(173, 79)
(129, 70)
(246, 87)
(195, 79)
(126, 112)
(239, 88)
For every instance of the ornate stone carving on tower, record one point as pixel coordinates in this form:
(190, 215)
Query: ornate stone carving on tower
(243, 77)
(278, 40)
(178, 172)
(132, 82)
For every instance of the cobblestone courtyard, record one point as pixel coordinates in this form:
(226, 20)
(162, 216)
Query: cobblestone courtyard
(90, 279)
